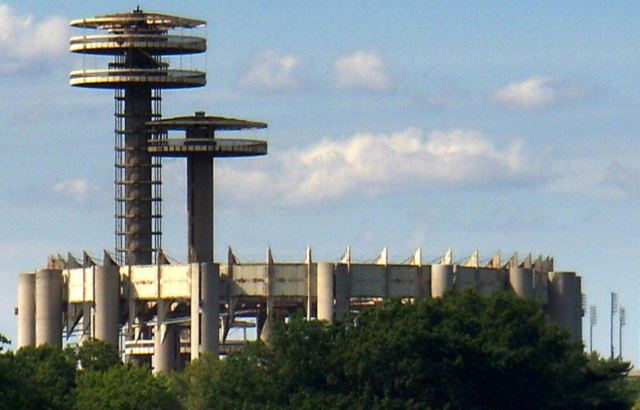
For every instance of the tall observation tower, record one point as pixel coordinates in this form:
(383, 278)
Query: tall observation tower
(138, 42)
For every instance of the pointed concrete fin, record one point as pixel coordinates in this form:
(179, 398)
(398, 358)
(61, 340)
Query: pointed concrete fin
(269, 256)
(231, 257)
(447, 259)
(527, 263)
(87, 260)
(549, 264)
(416, 259)
(346, 258)
(163, 259)
(107, 259)
(512, 262)
(308, 257)
(538, 264)
(474, 260)
(62, 261)
(496, 261)
(383, 259)
(72, 262)
(55, 262)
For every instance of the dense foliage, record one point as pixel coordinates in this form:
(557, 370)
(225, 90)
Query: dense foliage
(461, 351)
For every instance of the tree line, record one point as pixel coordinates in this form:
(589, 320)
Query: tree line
(460, 351)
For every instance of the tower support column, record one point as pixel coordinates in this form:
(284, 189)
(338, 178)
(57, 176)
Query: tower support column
(27, 310)
(106, 303)
(325, 291)
(49, 307)
(210, 285)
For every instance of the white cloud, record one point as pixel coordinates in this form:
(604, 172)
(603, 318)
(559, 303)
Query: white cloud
(26, 44)
(271, 72)
(377, 164)
(536, 93)
(363, 70)
(76, 189)
(598, 177)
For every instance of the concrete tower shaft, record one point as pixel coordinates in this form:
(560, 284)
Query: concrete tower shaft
(137, 41)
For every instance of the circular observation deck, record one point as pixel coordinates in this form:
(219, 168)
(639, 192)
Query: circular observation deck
(156, 78)
(119, 44)
(219, 147)
(203, 125)
(138, 40)
(137, 20)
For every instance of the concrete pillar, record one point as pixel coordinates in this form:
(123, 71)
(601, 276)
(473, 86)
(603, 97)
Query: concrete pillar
(49, 307)
(325, 291)
(27, 310)
(521, 281)
(195, 311)
(106, 303)
(343, 296)
(167, 349)
(565, 302)
(441, 279)
(210, 307)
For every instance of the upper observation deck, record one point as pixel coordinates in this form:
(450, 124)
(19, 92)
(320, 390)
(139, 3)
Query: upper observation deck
(119, 44)
(138, 41)
(201, 139)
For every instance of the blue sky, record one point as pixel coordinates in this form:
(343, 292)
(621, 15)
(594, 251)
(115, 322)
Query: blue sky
(494, 125)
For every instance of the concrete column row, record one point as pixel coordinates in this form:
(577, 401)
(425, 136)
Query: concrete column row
(40, 306)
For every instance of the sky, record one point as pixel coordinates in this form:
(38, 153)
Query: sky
(497, 126)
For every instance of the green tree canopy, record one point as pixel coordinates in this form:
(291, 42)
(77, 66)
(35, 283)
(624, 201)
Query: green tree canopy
(97, 355)
(40, 377)
(462, 351)
(3, 341)
(124, 388)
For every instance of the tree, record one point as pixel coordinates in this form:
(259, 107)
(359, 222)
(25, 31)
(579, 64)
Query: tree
(124, 388)
(96, 354)
(243, 380)
(3, 341)
(40, 377)
(461, 351)
(606, 384)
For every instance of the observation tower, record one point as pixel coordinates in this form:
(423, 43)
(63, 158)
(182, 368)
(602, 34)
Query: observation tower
(139, 43)
(200, 146)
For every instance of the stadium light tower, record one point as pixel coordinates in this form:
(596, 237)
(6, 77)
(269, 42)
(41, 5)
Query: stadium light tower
(139, 43)
(622, 323)
(593, 320)
(614, 310)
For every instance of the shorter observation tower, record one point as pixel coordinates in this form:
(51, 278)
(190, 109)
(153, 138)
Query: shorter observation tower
(139, 44)
(200, 146)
